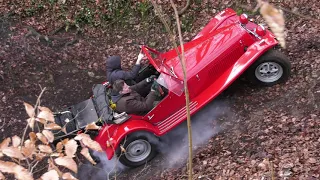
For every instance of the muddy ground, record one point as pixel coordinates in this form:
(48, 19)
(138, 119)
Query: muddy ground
(263, 132)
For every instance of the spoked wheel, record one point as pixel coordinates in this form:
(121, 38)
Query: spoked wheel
(140, 148)
(269, 72)
(271, 68)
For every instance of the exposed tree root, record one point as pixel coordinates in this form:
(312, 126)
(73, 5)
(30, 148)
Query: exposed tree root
(49, 39)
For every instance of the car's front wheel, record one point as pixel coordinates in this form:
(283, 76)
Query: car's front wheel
(138, 149)
(271, 68)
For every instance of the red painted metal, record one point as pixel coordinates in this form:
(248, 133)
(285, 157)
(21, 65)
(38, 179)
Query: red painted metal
(260, 30)
(243, 19)
(217, 56)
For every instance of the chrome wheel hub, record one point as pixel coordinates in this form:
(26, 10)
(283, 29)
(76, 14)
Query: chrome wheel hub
(138, 150)
(269, 72)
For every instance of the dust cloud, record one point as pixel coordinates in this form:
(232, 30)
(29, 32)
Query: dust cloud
(173, 146)
(104, 170)
(205, 124)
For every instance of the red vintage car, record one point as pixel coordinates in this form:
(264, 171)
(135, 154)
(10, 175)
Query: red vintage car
(227, 47)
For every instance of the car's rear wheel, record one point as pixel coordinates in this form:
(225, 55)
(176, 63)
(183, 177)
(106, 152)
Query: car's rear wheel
(140, 148)
(271, 68)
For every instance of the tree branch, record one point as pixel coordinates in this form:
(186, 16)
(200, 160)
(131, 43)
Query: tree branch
(185, 8)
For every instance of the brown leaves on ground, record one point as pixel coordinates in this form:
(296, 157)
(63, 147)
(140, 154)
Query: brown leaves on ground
(2, 176)
(28, 149)
(16, 140)
(68, 176)
(29, 109)
(67, 162)
(275, 20)
(31, 113)
(49, 135)
(42, 138)
(50, 175)
(45, 148)
(92, 126)
(19, 172)
(59, 147)
(13, 152)
(31, 122)
(33, 136)
(52, 126)
(46, 114)
(86, 154)
(5, 143)
(87, 141)
(71, 148)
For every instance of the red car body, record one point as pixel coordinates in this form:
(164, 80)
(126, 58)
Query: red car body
(215, 58)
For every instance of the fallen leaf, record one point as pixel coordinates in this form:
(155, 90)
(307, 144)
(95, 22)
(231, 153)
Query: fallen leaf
(29, 109)
(92, 126)
(42, 138)
(52, 166)
(49, 135)
(64, 129)
(28, 149)
(122, 149)
(42, 108)
(41, 120)
(46, 114)
(19, 172)
(33, 136)
(59, 147)
(67, 162)
(86, 154)
(81, 136)
(45, 148)
(275, 20)
(50, 175)
(68, 176)
(52, 126)
(2, 176)
(5, 143)
(13, 152)
(7, 167)
(40, 156)
(87, 141)
(71, 148)
(56, 155)
(312, 160)
(31, 122)
(65, 141)
(16, 140)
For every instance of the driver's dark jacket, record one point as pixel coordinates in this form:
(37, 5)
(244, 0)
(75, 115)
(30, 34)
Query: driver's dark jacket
(115, 72)
(133, 102)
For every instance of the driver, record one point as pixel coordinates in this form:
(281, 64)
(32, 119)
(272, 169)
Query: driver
(115, 72)
(128, 100)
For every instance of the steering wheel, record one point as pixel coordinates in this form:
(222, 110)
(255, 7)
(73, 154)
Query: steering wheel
(157, 87)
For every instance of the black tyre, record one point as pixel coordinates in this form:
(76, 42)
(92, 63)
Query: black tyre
(271, 68)
(140, 148)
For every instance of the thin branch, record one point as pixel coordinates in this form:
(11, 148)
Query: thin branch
(26, 128)
(183, 63)
(34, 166)
(185, 8)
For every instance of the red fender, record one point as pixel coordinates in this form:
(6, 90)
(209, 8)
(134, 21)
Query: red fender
(111, 135)
(249, 57)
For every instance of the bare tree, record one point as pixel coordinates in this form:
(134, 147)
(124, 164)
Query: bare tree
(183, 64)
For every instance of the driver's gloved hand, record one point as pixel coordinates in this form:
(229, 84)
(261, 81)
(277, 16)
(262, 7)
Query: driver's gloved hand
(151, 78)
(140, 57)
(155, 86)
